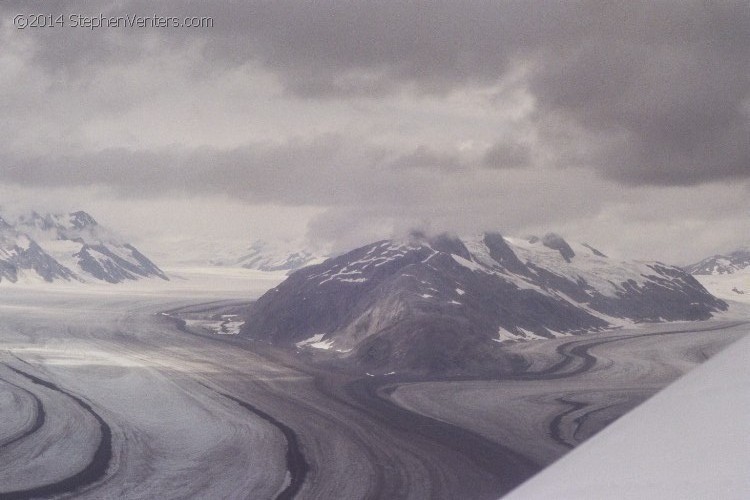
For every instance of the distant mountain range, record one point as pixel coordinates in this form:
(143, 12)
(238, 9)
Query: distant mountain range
(68, 247)
(722, 264)
(444, 304)
(726, 276)
(266, 256)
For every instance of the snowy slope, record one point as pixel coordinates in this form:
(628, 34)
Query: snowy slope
(690, 441)
(725, 276)
(734, 286)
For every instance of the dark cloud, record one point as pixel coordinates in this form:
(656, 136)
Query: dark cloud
(68, 52)
(507, 155)
(647, 92)
(325, 171)
(663, 88)
(664, 85)
(425, 158)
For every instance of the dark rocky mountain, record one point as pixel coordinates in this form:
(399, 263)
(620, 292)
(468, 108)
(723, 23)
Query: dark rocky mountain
(71, 247)
(19, 254)
(116, 264)
(446, 305)
(722, 264)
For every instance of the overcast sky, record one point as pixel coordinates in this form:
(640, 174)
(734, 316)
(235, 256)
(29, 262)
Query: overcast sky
(624, 124)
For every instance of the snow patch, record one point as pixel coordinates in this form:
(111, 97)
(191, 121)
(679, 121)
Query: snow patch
(468, 264)
(316, 342)
(504, 335)
(529, 335)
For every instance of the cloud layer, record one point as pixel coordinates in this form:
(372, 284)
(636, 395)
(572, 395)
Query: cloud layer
(461, 114)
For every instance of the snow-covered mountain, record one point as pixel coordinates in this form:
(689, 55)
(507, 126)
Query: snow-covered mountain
(722, 264)
(68, 247)
(444, 304)
(265, 256)
(726, 276)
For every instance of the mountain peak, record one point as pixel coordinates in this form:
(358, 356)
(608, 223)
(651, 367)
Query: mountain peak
(36, 220)
(501, 252)
(447, 243)
(81, 219)
(556, 242)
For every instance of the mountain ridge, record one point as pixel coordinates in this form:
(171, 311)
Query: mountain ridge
(721, 263)
(444, 304)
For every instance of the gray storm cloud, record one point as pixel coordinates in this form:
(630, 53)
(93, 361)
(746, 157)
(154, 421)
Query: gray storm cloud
(325, 171)
(390, 113)
(663, 86)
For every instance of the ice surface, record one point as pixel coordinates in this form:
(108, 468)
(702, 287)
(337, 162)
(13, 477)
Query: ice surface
(196, 282)
(173, 433)
(690, 441)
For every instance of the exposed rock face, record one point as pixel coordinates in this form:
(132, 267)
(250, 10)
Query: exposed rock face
(445, 305)
(116, 265)
(556, 242)
(72, 247)
(81, 219)
(35, 259)
(19, 254)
